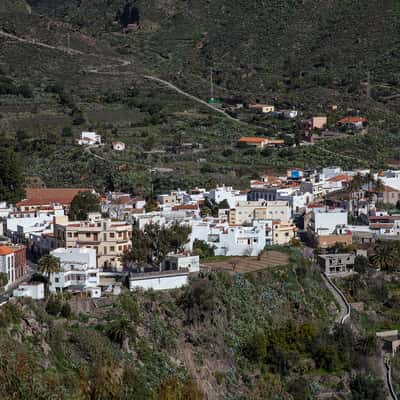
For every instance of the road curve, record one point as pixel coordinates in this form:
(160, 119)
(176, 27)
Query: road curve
(344, 305)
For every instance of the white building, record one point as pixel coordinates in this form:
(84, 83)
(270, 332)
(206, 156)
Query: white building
(324, 221)
(5, 209)
(118, 146)
(180, 262)
(7, 264)
(227, 193)
(166, 280)
(78, 269)
(89, 138)
(34, 290)
(279, 210)
(231, 240)
(290, 114)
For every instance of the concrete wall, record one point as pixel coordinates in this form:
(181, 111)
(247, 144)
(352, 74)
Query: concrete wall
(159, 283)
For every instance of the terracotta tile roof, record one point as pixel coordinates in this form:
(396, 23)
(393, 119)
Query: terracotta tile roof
(340, 178)
(381, 218)
(381, 225)
(37, 197)
(252, 139)
(351, 120)
(186, 207)
(5, 250)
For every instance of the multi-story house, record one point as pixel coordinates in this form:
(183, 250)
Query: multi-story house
(78, 270)
(283, 232)
(333, 264)
(247, 211)
(13, 263)
(110, 239)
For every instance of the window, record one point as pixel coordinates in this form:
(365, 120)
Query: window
(87, 234)
(56, 280)
(112, 234)
(70, 234)
(112, 248)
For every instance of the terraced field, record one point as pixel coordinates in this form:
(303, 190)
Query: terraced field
(248, 264)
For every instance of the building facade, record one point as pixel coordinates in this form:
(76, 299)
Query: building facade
(78, 269)
(109, 239)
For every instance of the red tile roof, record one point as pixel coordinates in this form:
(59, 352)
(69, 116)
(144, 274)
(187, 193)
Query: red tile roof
(351, 120)
(186, 207)
(251, 139)
(340, 178)
(38, 197)
(381, 225)
(5, 250)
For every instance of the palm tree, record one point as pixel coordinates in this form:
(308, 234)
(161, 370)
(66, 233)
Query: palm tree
(119, 331)
(384, 255)
(49, 265)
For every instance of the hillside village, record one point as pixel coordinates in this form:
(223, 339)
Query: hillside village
(321, 209)
(199, 200)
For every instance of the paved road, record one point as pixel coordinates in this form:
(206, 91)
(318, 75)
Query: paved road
(344, 306)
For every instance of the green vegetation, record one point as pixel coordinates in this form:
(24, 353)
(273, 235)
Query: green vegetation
(138, 345)
(46, 103)
(83, 204)
(152, 244)
(48, 265)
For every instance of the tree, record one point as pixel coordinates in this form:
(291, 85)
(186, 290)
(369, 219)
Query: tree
(151, 205)
(361, 264)
(366, 387)
(82, 204)
(49, 265)
(3, 279)
(384, 255)
(118, 331)
(11, 178)
(203, 249)
(152, 244)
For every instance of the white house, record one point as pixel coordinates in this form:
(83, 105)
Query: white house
(230, 240)
(290, 114)
(7, 264)
(34, 290)
(89, 138)
(227, 193)
(324, 220)
(118, 146)
(181, 262)
(78, 269)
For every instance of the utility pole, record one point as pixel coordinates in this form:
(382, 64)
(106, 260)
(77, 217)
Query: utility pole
(368, 85)
(211, 84)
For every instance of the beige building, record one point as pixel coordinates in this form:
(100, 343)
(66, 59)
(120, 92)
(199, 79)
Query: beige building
(279, 210)
(110, 239)
(283, 232)
(247, 211)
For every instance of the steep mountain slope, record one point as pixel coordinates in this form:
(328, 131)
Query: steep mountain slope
(69, 65)
(223, 337)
